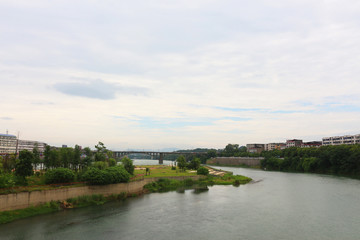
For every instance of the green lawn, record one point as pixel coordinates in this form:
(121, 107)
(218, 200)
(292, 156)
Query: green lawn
(161, 171)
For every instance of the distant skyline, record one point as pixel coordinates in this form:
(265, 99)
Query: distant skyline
(179, 74)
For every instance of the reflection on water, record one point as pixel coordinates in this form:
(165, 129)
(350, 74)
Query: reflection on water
(275, 206)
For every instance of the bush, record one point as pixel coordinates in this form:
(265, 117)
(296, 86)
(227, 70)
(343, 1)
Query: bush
(59, 175)
(112, 162)
(7, 180)
(203, 171)
(95, 176)
(100, 165)
(118, 174)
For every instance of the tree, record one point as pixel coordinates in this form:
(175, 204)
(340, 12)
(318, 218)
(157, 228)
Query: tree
(47, 162)
(101, 152)
(181, 162)
(9, 162)
(194, 163)
(128, 165)
(24, 166)
(231, 150)
(76, 157)
(36, 159)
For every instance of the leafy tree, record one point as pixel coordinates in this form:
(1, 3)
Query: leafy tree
(54, 159)
(194, 163)
(128, 165)
(47, 162)
(231, 150)
(76, 157)
(24, 166)
(181, 162)
(101, 152)
(9, 162)
(36, 154)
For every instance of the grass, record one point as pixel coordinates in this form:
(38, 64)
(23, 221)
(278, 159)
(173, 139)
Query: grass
(164, 185)
(161, 171)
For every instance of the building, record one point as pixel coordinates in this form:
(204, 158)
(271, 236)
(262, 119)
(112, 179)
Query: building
(311, 144)
(30, 145)
(338, 140)
(255, 147)
(7, 144)
(273, 146)
(294, 143)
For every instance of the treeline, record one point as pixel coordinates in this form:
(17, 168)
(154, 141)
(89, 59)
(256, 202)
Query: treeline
(63, 165)
(341, 160)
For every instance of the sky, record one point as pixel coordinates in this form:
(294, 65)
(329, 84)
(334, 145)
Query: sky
(179, 74)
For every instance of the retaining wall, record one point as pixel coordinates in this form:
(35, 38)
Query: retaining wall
(26, 199)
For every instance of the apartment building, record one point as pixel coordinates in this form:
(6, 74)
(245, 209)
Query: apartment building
(7, 143)
(273, 146)
(294, 143)
(30, 145)
(311, 144)
(255, 147)
(338, 140)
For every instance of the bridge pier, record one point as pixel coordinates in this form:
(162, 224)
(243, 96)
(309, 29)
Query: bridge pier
(161, 158)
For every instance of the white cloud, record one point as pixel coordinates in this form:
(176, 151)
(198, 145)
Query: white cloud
(293, 65)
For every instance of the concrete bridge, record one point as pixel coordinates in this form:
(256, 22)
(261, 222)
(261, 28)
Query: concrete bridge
(160, 155)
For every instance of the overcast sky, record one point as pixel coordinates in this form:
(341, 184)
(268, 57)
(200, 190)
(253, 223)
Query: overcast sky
(179, 74)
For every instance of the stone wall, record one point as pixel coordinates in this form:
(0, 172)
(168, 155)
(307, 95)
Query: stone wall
(27, 199)
(236, 161)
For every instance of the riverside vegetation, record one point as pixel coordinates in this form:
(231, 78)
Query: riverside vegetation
(98, 170)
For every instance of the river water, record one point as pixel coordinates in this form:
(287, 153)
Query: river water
(276, 206)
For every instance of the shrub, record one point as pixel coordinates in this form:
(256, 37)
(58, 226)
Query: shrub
(203, 171)
(112, 162)
(95, 176)
(59, 175)
(100, 165)
(7, 180)
(118, 174)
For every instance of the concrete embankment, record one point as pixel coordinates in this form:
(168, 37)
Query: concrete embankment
(26, 199)
(235, 161)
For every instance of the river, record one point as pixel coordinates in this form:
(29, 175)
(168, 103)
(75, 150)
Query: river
(276, 206)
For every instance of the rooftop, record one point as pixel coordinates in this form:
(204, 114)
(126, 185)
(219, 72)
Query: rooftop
(7, 135)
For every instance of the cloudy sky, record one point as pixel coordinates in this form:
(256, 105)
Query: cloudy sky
(179, 74)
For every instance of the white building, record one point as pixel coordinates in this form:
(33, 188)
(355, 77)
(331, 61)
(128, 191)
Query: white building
(7, 143)
(30, 145)
(338, 140)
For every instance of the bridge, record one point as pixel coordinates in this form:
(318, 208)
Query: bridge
(160, 155)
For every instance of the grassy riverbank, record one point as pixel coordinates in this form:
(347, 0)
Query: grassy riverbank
(165, 183)
(55, 206)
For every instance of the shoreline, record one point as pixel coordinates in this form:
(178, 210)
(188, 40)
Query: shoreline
(106, 193)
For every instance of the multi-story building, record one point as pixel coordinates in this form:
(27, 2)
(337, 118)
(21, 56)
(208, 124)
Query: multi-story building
(273, 146)
(7, 144)
(294, 143)
(255, 147)
(338, 140)
(30, 145)
(311, 144)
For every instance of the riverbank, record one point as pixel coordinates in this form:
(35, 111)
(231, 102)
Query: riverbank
(26, 204)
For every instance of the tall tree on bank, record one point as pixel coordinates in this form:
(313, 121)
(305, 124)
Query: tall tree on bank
(24, 166)
(181, 162)
(36, 154)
